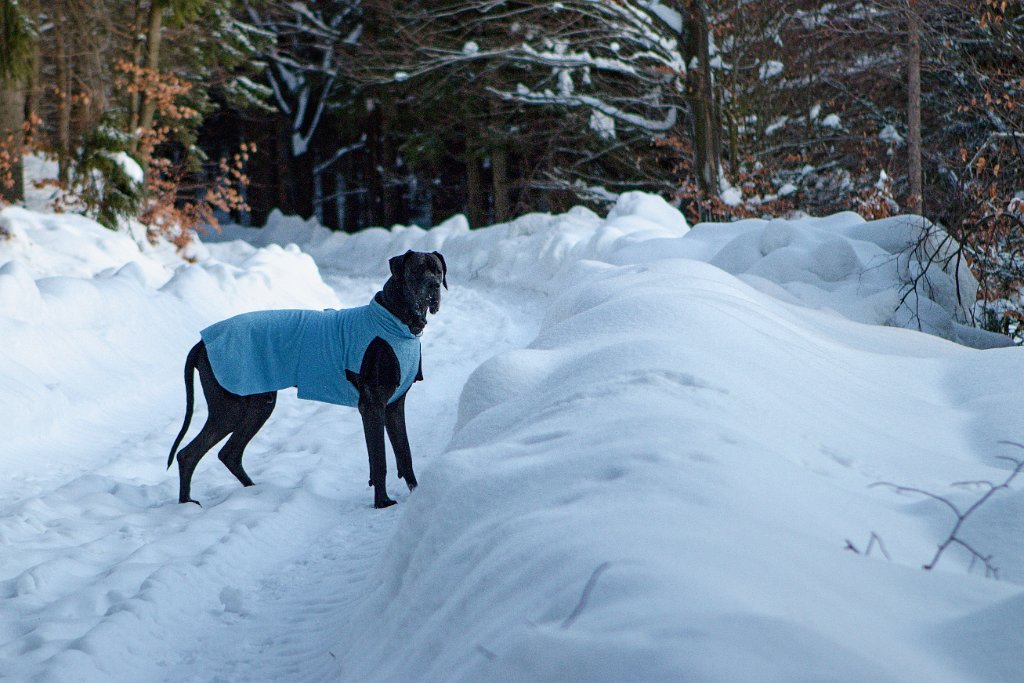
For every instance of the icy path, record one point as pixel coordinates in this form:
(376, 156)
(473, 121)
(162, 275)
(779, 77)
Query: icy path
(253, 586)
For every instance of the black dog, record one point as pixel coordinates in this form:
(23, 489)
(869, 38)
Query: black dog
(244, 360)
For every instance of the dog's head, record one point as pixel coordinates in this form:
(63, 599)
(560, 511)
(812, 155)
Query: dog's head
(416, 281)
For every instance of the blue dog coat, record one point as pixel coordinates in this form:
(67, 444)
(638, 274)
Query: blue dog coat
(269, 350)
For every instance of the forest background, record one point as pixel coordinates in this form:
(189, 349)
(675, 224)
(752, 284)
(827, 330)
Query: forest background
(181, 113)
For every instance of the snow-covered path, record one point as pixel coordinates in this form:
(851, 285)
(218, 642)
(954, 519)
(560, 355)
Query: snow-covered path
(283, 623)
(280, 561)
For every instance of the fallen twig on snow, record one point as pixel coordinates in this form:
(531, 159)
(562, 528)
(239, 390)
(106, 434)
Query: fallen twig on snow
(586, 594)
(953, 538)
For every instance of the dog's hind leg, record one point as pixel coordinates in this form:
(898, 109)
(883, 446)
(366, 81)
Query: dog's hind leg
(189, 456)
(224, 415)
(258, 408)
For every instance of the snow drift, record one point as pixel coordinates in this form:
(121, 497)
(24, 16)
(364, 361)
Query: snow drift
(863, 271)
(645, 450)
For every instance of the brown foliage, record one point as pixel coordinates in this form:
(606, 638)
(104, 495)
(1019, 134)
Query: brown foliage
(167, 215)
(10, 155)
(8, 164)
(164, 90)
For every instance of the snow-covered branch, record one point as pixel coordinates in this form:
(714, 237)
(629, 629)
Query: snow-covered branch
(577, 100)
(303, 66)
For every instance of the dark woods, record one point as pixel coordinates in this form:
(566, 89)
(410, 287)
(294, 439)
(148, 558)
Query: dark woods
(374, 112)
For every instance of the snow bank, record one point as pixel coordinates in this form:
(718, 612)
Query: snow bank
(861, 271)
(662, 484)
(644, 451)
(92, 323)
(69, 245)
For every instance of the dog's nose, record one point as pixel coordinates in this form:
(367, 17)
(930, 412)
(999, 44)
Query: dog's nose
(433, 300)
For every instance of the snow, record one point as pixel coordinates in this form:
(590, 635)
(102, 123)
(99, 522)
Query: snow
(645, 450)
(727, 192)
(889, 135)
(130, 167)
(770, 69)
(566, 87)
(775, 125)
(731, 196)
(525, 95)
(832, 121)
(671, 17)
(603, 125)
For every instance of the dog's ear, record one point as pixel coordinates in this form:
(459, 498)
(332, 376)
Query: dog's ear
(444, 269)
(397, 264)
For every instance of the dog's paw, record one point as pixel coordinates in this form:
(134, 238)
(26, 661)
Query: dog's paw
(411, 482)
(385, 503)
(190, 500)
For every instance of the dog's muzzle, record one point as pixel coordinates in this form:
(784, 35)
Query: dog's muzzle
(429, 298)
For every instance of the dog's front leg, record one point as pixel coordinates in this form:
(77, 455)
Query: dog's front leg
(394, 420)
(378, 377)
(372, 412)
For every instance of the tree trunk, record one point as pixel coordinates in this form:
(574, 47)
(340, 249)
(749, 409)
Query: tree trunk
(525, 200)
(282, 175)
(353, 201)
(12, 116)
(262, 169)
(706, 133)
(36, 86)
(915, 200)
(301, 181)
(91, 68)
(392, 198)
(474, 191)
(135, 100)
(64, 84)
(374, 162)
(499, 181)
(330, 212)
(154, 33)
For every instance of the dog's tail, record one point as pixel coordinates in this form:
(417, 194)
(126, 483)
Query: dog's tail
(190, 366)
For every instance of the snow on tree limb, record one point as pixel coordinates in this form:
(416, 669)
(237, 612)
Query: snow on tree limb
(571, 100)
